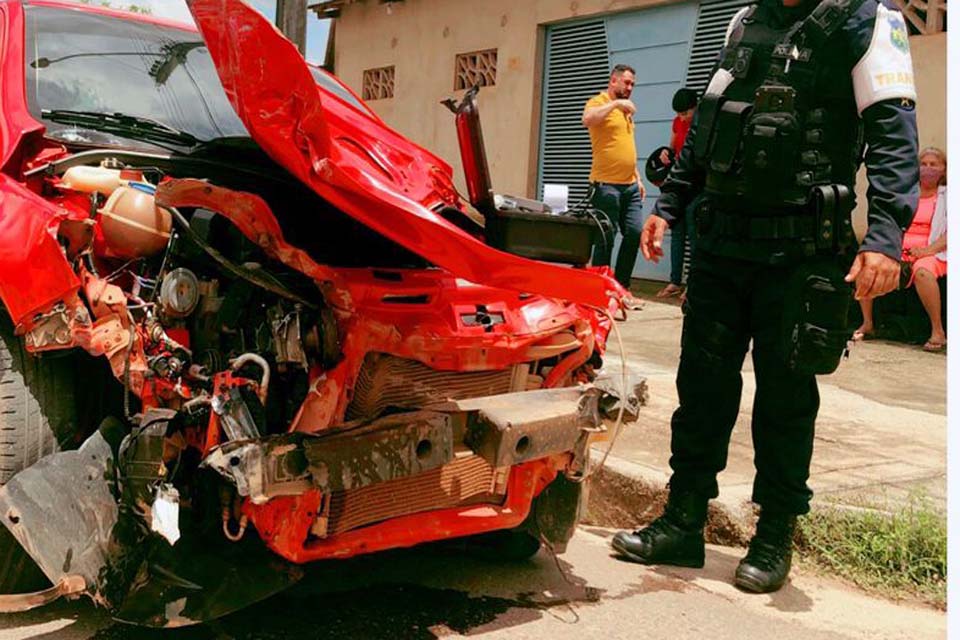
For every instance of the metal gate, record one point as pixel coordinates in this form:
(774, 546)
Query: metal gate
(577, 67)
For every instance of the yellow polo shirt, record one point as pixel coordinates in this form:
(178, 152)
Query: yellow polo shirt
(614, 149)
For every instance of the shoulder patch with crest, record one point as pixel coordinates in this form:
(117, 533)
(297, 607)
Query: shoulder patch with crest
(898, 32)
(885, 71)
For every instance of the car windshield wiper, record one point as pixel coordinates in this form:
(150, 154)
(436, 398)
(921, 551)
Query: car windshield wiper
(122, 124)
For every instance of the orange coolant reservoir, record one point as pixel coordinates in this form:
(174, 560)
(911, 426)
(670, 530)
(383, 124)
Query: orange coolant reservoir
(133, 225)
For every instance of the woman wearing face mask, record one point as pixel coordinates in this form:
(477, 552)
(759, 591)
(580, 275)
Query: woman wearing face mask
(924, 248)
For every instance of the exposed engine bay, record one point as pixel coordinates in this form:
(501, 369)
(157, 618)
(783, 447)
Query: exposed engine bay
(333, 410)
(292, 343)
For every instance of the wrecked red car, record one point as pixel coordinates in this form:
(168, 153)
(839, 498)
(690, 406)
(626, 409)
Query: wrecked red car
(248, 326)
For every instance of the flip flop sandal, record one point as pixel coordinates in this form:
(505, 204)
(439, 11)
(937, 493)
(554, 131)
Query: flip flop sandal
(934, 347)
(667, 292)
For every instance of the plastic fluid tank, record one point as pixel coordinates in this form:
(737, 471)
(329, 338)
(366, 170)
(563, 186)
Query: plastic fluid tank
(133, 225)
(89, 179)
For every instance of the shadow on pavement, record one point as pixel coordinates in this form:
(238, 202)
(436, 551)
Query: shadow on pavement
(417, 593)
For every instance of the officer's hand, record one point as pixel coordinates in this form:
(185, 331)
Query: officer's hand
(665, 157)
(875, 275)
(651, 238)
(626, 106)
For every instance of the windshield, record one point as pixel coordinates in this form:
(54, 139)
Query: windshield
(332, 84)
(82, 61)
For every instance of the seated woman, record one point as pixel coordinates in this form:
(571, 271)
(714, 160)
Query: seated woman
(924, 248)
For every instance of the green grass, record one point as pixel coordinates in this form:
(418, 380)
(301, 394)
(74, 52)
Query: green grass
(899, 554)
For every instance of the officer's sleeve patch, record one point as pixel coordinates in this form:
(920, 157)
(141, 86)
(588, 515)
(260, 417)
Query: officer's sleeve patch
(886, 70)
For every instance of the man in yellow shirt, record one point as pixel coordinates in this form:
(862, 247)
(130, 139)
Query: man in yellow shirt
(618, 191)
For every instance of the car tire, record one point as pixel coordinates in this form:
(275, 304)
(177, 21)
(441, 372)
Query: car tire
(509, 545)
(38, 405)
(38, 417)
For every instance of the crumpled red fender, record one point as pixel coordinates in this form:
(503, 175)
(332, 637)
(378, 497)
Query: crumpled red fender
(274, 94)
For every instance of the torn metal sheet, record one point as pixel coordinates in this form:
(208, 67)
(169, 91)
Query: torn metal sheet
(62, 511)
(241, 462)
(637, 395)
(262, 469)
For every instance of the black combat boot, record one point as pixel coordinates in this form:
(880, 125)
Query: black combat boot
(675, 538)
(767, 563)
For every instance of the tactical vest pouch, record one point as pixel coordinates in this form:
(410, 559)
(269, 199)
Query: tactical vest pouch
(771, 145)
(814, 331)
(729, 127)
(707, 111)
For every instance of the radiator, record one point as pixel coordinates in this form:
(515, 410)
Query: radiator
(467, 480)
(387, 381)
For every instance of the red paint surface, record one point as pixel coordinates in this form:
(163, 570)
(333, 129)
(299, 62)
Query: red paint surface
(284, 523)
(370, 172)
(383, 186)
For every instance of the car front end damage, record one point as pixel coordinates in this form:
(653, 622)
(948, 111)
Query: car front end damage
(314, 361)
(117, 521)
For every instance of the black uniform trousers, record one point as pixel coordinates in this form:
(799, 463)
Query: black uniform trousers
(731, 302)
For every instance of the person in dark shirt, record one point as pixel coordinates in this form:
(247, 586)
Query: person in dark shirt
(684, 103)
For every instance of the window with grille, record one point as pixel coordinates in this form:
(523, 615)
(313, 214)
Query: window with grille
(477, 68)
(378, 83)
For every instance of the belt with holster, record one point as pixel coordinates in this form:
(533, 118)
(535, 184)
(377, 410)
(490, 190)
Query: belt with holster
(824, 220)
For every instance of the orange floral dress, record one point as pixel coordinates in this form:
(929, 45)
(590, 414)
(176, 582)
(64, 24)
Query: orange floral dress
(918, 235)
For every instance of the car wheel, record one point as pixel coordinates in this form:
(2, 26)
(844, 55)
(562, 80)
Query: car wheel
(509, 545)
(38, 408)
(38, 417)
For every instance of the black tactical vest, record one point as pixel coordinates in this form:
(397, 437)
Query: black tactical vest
(787, 123)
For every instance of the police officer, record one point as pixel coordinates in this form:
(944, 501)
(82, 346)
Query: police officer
(804, 92)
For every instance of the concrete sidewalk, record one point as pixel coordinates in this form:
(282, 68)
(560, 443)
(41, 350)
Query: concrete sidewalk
(881, 431)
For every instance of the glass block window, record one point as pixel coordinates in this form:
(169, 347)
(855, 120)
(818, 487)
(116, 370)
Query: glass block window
(477, 68)
(378, 83)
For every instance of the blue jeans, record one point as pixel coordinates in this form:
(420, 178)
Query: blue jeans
(680, 235)
(622, 205)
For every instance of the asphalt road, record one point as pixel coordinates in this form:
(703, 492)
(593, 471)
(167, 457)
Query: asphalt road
(585, 593)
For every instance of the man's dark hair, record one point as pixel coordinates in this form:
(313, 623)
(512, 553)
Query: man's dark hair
(684, 100)
(620, 68)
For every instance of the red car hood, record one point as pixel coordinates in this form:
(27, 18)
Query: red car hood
(274, 93)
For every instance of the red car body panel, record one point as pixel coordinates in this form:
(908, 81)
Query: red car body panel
(360, 166)
(278, 101)
(28, 223)
(284, 523)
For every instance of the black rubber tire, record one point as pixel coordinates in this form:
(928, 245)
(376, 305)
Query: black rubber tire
(38, 404)
(38, 416)
(508, 545)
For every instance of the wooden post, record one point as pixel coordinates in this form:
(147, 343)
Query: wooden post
(292, 21)
(935, 16)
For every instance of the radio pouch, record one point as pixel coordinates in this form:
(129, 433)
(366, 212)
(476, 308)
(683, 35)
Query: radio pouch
(707, 112)
(772, 141)
(814, 331)
(729, 128)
